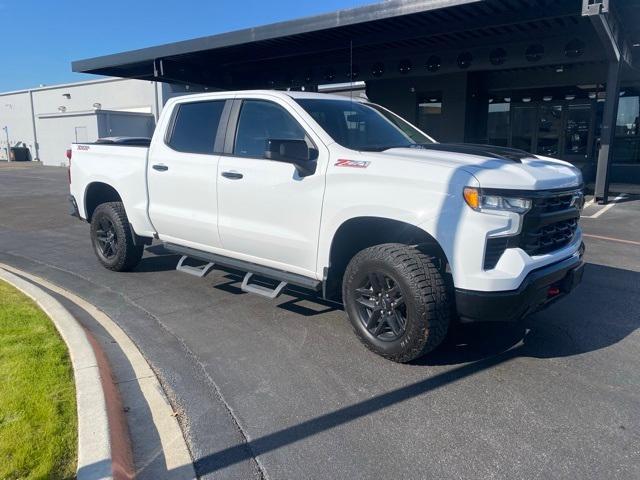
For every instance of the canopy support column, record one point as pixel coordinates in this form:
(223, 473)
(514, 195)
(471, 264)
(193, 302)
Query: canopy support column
(609, 116)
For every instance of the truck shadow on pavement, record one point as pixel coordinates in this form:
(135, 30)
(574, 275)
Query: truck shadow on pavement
(603, 311)
(303, 302)
(160, 261)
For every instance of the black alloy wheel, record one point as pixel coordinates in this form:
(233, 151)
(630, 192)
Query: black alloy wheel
(381, 307)
(106, 238)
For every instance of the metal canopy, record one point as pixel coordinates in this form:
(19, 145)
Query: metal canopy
(275, 35)
(384, 40)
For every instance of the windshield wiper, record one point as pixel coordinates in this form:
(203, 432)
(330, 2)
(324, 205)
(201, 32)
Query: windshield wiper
(371, 148)
(381, 148)
(410, 145)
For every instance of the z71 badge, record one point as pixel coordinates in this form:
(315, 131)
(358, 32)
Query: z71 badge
(352, 163)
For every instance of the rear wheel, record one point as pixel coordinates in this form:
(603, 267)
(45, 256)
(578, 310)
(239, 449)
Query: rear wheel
(112, 238)
(397, 301)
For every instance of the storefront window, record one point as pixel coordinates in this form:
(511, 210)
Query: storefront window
(523, 127)
(430, 114)
(498, 124)
(628, 111)
(576, 132)
(564, 123)
(627, 137)
(549, 123)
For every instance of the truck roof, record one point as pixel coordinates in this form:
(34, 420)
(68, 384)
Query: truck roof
(275, 93)
(323, 96)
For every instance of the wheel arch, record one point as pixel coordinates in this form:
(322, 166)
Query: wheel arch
(358, 233)
(96, 194)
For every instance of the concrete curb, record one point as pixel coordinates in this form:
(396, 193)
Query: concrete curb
(94, 444)
(174, 447)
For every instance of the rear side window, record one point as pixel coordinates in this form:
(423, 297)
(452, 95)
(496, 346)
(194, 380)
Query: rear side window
(195, 127)
(260, 121)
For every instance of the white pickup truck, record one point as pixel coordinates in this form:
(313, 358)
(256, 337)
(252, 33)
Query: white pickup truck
(342, 197)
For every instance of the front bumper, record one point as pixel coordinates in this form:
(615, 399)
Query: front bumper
(538, 290)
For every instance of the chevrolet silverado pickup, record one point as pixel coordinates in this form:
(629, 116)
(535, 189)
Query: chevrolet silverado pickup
(342, 197)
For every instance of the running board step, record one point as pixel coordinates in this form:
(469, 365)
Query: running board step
(260, 290)
(197, 271)
(263, 271)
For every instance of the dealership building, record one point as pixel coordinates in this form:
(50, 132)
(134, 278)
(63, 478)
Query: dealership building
(554, 77)
(45, 120)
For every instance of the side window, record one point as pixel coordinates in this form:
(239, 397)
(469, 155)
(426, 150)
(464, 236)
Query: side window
(195, 127)
(260, 121)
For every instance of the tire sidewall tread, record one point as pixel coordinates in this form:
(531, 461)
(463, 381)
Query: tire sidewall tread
(426, 299)
(129, 254)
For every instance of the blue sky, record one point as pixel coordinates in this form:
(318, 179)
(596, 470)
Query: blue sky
(40, 38)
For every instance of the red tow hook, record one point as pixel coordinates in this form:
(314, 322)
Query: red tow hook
(552, 292)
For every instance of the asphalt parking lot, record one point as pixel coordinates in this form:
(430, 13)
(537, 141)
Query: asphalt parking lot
(283, 390)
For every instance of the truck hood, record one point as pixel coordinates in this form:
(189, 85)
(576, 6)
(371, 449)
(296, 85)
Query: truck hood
(496, 167)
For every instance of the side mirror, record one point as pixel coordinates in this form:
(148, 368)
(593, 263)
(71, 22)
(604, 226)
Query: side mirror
(295, 152)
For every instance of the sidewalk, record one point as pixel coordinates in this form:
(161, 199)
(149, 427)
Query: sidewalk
(127, 427)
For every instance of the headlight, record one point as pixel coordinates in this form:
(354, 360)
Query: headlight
(479, 201)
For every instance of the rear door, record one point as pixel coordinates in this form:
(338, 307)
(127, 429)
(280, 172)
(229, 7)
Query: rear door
(267, 212)
(182, 171)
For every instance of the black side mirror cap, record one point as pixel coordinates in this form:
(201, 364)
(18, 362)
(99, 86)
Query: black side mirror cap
(295, 152)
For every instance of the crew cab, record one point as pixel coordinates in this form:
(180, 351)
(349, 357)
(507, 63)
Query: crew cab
(343, 197)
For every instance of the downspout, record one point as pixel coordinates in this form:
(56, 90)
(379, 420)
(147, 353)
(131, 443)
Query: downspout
(156, 101)
(33, 126)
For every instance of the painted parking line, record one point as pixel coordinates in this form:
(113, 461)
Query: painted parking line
(606, 207)
(611, 239)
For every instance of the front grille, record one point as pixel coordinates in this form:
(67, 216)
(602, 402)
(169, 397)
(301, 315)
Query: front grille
(550, 237)
(553, 204)
(550, 225)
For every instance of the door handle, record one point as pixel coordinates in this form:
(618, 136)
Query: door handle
(160, 167)
(232, 175)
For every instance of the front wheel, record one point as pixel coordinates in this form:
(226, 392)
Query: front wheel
(397, 301)
(112, 238)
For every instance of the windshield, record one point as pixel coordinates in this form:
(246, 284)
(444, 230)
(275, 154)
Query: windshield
(362, 126)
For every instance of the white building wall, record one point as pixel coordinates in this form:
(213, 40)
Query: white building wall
(58, 131)
(15, 114)
(112, 94)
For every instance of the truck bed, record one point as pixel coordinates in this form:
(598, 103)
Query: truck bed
(122, 166)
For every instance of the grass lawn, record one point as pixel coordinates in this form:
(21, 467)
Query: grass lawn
(38, 424)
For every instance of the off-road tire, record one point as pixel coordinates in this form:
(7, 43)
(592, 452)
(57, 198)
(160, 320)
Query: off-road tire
(426, 296)
(127, 254)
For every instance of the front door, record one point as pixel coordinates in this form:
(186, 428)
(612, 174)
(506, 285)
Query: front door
(267, 211)
(182, 170)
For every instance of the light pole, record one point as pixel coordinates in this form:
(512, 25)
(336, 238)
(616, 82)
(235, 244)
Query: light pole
(6, 133)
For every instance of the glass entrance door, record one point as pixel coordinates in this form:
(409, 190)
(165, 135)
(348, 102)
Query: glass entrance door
(549, 128)
(578, 132)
